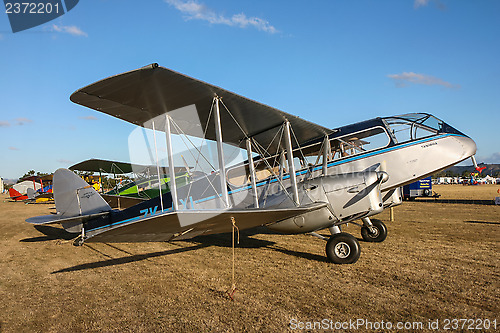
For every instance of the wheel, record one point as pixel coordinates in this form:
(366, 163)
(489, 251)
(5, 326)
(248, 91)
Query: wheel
(343, 248)
(378, 234)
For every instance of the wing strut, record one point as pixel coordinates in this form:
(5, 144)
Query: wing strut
(220, 153)
(252, 173)
(326, 152)
(291, 166)
(170, 156)
(282, 165)
(157, 166)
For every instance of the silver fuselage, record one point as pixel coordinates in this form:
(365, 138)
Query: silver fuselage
(352, 186)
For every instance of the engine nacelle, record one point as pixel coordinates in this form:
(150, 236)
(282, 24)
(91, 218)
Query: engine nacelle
(392, 197)
(349, 197)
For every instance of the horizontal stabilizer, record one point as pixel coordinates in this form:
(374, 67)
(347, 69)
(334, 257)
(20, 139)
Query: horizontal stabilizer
(57, 219)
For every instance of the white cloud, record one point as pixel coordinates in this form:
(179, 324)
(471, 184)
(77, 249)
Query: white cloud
(423, 3)
(88, 118)
(492, 159)
(63, 161)
(403, 79)
(21, 121)
(198, 11)
(420, 3)
(69, 29)
(13, 148)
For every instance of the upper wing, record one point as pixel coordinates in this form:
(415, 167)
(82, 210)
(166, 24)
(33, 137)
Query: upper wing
(107, 166)
(145, 93)
(187, 224)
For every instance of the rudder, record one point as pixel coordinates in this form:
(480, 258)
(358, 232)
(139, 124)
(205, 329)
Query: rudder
(74, 197)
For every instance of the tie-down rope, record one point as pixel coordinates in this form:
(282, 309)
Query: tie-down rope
(232, 290)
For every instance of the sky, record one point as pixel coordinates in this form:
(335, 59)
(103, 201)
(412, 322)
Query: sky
(330, 62)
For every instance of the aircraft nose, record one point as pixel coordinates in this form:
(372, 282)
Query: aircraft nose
(469, 146)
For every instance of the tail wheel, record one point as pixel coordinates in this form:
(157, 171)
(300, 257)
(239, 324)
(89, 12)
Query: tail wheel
(343, 248)
(378, 232)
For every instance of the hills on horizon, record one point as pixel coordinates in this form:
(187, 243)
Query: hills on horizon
(492, 170)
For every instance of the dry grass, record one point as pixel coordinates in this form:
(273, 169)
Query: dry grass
(439, 261)
(475, 192)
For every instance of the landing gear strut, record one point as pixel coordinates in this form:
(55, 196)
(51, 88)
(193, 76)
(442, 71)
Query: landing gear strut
(373, 230)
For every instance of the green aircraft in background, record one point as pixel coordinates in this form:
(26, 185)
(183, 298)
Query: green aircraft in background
(145, 187)
(148, 188)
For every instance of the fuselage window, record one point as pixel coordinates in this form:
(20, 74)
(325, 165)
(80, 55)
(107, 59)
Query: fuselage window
(358, 143)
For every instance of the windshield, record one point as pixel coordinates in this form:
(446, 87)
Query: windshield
(415, 126)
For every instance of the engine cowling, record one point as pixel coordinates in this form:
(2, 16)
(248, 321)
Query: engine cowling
(349, 196)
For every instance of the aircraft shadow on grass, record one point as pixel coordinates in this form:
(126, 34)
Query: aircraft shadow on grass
(51, 233)
(224, 240)
(219, 240)
(483, 222)
(125, 260)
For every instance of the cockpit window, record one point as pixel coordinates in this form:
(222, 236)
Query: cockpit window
(359, 142)
(414, 126)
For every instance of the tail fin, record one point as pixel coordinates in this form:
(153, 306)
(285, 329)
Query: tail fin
(30, 193)
(74, 197)
(15, 195)
(76, 202)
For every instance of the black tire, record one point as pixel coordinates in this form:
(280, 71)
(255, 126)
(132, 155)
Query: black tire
(378, 236)
(343, 248)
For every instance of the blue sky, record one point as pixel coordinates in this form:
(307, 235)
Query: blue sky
(330, 62)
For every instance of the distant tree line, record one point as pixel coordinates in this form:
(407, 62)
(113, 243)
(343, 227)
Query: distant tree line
(32, 173)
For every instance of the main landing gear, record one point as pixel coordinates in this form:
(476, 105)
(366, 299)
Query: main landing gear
(373, 230)
(343, 248)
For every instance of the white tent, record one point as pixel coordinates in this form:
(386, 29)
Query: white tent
(22, 187)
(489, 180)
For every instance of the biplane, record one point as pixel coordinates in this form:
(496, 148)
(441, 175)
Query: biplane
(297, 177)
(126, 191)
(32, 188)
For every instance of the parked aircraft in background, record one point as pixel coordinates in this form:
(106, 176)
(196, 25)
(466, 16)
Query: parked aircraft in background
(143, 186)
(31, 187)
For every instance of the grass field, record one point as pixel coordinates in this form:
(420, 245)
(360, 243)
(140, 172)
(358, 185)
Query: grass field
(440, 261)
(461, 192)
